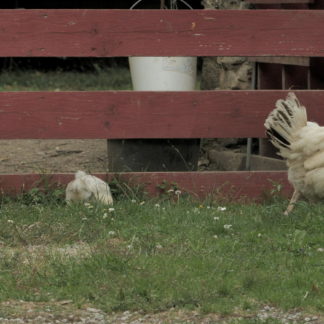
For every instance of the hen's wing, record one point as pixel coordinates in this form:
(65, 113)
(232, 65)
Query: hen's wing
(99, 188)
(307, 160)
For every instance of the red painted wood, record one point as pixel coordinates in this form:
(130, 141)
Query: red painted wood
(269, 76)
(136, 114)
(233, 185)
(295, 77)
(107, 33)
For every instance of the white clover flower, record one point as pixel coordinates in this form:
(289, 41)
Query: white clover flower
(320, 250)
(178, 192)
(219, 208)
(10, 221)
(227, 226)
(105, 215)
(111, 233)
(157, 205)
(208, 207)
(259, 235)
(215, 236)
(88, 205)
(111, 210)
(142, 203)
(216, 218)
(84, 218)
(133, 201)
(129, 246)
(159, 246)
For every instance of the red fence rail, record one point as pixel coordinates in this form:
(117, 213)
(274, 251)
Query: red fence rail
(127, 114)
(137, 114)
(106, 33)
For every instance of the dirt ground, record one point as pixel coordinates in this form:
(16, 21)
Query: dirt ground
(49, 156)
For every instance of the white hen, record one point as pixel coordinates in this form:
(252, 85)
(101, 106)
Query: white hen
(301, 143)
(85, 187)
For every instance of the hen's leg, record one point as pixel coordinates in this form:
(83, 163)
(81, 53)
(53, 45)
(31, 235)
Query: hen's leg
(292, 202)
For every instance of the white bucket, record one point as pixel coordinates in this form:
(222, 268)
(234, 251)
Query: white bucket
(170, 73)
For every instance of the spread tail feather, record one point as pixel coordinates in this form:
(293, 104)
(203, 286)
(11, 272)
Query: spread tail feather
(288, 117)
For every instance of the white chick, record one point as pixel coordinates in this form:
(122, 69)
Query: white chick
(85, 187)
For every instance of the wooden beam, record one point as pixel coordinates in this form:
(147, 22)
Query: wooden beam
(300, 61)
(279, 1)
(233, 185)
(137, 114)
(109, 33)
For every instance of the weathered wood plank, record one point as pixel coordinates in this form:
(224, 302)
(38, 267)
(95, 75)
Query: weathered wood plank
(279, 1)
(136, 114)
(233, 185)
(300, 61)
(108, 33)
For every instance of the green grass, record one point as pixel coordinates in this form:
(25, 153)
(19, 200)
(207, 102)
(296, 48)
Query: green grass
(153, 256)
(29, 80)
(57, 80)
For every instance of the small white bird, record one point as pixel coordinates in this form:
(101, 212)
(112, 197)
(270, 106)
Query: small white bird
(85, 187)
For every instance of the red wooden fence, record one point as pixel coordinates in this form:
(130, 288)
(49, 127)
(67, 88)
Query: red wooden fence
(138, 114)
(104, 33)
(127, 114)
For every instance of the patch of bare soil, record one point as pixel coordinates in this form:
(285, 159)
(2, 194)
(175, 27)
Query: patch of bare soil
(52, 156)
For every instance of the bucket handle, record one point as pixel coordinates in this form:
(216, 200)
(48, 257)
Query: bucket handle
(183, 1)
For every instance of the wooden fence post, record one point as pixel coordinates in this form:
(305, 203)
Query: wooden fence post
(153, 155)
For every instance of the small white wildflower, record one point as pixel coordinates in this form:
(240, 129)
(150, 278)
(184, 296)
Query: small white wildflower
(133, 201)
(142, 203)
(216, 218)
(111, 210)
(159, 246)
(178, 192)
(10, 221)
(129, 246)
(259, 235)
(320, 250)
(208, 207)
(215, 236)
(157, 205)
(170, 190)
(219, 208)
(89, 206)
(84, 218)
(227, 226)
(111, 233)
(105, 215)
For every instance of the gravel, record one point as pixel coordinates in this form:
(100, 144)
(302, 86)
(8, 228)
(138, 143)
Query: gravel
(31, 313)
